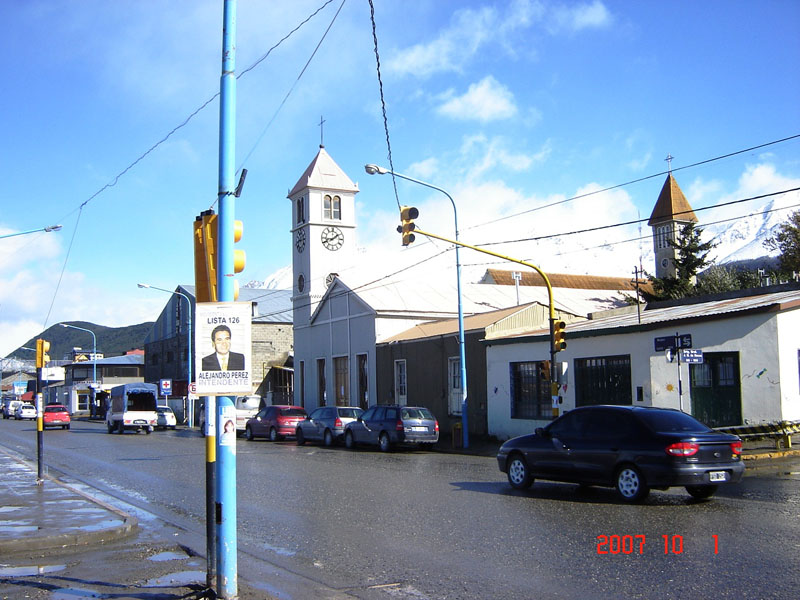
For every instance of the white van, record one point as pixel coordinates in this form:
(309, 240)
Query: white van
(133, 406)
(10, 407)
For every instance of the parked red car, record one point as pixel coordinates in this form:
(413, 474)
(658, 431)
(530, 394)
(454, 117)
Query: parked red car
(275, 422)
(55, 415)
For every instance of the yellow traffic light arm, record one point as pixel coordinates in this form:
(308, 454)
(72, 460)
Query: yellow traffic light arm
(504, 257)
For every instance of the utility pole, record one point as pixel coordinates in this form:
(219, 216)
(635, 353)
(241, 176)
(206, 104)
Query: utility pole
(227, 583)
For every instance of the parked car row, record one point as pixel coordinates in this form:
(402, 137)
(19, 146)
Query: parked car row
(384, 426)
(54, 415)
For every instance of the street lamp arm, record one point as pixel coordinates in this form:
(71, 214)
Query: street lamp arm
(47, 229)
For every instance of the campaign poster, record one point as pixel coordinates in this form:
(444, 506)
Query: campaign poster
(223, 348)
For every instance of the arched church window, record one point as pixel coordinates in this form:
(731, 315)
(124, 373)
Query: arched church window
(332, 206)
(301, 210)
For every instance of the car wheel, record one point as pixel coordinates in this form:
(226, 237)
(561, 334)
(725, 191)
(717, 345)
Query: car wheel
(630, 484)
(120, 428)
(110, 428)
(301, 438)
(273, 434)
(248, 433)
(701, 492)
(349, 441)
(383, 442)
(519, 475)
(327, 438)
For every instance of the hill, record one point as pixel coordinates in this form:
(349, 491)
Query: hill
(111, 341)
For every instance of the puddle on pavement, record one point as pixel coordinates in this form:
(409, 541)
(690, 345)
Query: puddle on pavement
(19, 528)
(279, 551)
(182, 578)
(30, 570)
(100, 526)
(4, 509)
(164, 556)
(74, 594)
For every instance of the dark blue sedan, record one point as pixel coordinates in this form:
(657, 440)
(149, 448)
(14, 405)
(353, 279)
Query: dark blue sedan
(630, 448)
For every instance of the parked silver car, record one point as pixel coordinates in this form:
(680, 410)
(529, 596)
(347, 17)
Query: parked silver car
(326, 424)
(386, 425)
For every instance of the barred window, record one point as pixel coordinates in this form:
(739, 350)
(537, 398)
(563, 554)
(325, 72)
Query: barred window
(530, 391)
(603, 380)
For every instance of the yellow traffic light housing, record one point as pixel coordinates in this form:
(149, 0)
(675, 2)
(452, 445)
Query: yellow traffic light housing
(42, 356)
(544, 370)
(558, 336)
(407, 227)
(239, 256)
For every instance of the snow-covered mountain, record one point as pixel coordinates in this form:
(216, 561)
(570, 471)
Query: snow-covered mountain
(738, 240)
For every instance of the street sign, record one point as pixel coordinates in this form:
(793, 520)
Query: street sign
(692, 356)
(683, 340)
(662, 343)
(166, 386)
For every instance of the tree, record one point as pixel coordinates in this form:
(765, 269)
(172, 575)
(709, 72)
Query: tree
(787, 241)
(692, 257)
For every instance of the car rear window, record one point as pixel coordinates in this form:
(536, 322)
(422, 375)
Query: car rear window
(293, 412)
(350, 413)
(54, 409)
(417, 413)
(669, 421)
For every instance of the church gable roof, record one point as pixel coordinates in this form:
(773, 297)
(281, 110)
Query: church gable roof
(671, 205)
(324, 173)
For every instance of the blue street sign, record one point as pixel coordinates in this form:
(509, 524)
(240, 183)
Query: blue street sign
(692, 356)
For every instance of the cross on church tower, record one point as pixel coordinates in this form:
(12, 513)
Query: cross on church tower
(669, 162)
(321, 129)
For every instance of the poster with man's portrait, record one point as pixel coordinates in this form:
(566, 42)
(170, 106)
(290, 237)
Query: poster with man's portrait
(223, 348)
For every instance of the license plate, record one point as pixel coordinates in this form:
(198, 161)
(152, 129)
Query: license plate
(419, 429)
(717, 476)
(140, 422)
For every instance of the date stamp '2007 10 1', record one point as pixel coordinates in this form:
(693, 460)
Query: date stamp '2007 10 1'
(635, 544)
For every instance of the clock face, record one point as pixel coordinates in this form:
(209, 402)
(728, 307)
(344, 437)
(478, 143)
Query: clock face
(301, 283)
(300, 240)
(332, 238)
(664, 262)
(329, 279)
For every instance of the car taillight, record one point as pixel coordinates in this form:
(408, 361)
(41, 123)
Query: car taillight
(436, 426)
(399, 426)
(736, 447)
(682, 449)
(337, 422)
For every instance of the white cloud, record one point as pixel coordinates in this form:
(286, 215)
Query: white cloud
(577, 18)
(487, 100)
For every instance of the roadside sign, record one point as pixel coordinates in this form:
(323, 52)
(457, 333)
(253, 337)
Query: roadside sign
(684, 340)
(692, 356)
(223, 348)
(165, 385)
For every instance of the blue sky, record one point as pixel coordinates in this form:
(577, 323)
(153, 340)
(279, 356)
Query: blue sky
(508, 105)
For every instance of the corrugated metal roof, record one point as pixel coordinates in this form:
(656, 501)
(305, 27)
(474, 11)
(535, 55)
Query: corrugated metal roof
(564, 280)
(272, 306)
(658, 317)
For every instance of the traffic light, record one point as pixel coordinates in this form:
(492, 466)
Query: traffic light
(558, 335)
(239, 256)
(42, 348)
(205, 256)
(407, 216)
(544, 370)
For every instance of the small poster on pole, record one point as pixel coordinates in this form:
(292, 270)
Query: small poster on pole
(223, 348)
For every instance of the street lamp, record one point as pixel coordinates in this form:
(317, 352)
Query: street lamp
(377, 170)
(47, 229)
(189, 359)
(93, 387)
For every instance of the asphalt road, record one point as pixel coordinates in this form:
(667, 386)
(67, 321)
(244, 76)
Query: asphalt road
(415, 524)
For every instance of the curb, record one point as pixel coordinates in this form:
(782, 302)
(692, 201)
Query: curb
(126, 528)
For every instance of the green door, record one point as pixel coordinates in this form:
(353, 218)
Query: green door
(715, 389)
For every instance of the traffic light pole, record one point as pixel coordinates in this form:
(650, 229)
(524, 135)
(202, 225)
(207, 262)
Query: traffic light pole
(227, 584)
(553, 376)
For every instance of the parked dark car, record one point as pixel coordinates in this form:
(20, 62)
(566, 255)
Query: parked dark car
(630, 448)
(275, 422)
(326, 424)
(386, 425)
